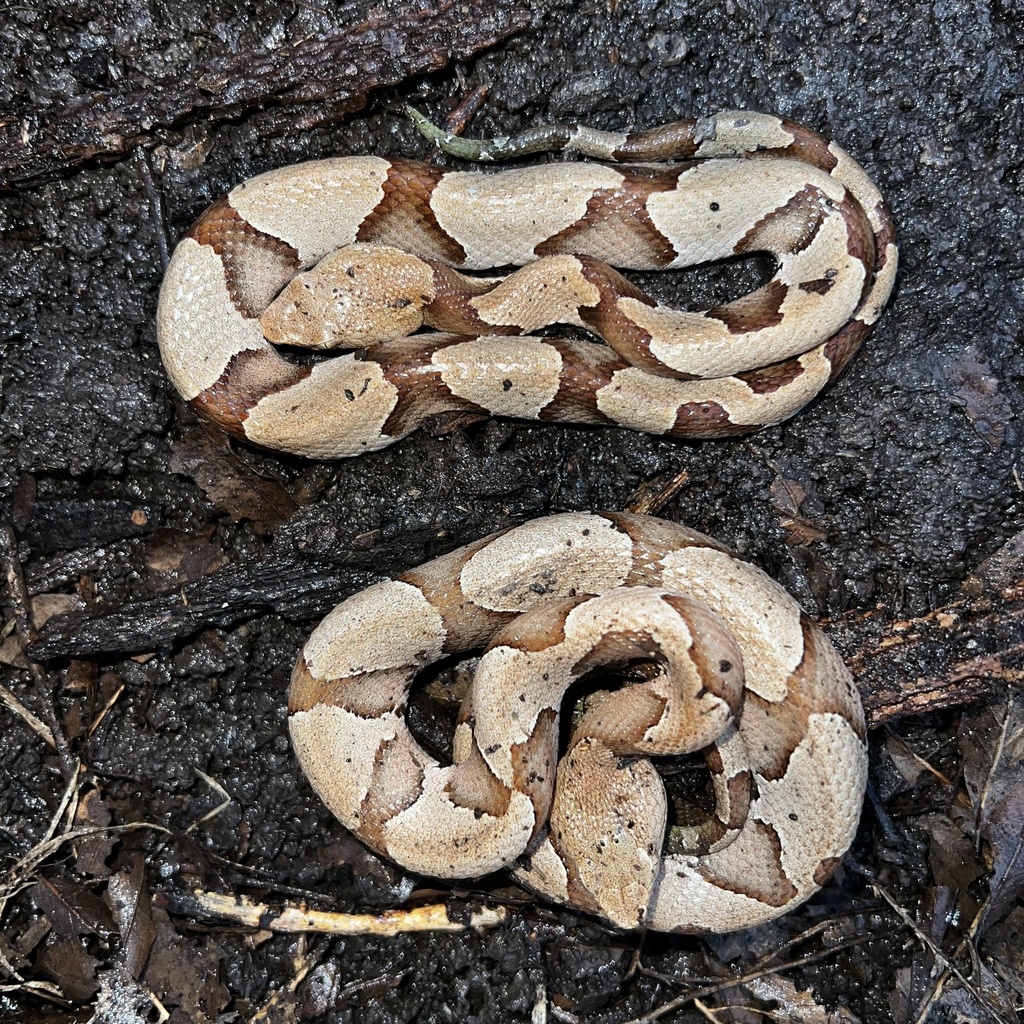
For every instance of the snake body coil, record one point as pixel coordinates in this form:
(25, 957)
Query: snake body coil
(360, 253)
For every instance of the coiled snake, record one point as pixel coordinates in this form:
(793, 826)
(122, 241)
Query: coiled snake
(741, 673)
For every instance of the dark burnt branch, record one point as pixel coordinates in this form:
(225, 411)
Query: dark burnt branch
(296, 588)
(953, 655)
(310, 82)
(956, 654)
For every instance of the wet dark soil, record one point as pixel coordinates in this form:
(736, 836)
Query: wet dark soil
(885, 493)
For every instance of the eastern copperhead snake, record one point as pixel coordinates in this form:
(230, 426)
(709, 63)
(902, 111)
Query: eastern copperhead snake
(740, 183)
(738, 671)
(359, 252)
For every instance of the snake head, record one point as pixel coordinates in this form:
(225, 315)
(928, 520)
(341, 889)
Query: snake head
(354, 297)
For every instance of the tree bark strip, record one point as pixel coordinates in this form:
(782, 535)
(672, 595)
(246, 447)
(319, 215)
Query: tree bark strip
(312, 81)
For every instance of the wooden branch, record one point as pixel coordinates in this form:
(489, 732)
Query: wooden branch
(956, 654)
(299, 918)
(309, 82)
(951, 656)
(298, 588)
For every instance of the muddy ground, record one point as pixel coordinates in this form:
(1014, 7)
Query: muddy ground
(873, 506)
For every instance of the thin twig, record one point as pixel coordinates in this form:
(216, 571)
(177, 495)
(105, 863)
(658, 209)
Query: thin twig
(939, 956)
(762, 963)
(42, 730)
(156, 206)
(653, 495)
(220, 791)
(706, 1011)
(24, 631)
(21, 873)
(104, 711)
(303, 964)
(687, 997)
(42, 989)
(460, 115)
(68, 806)
(298, 919)
(355, 987)
(992, 769)
(970, 939)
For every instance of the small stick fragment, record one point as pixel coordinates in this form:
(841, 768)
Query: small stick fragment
(937, 954)
(224, 795)
(653, 495)
(284, 918)
(105, 711)
(460, 116)
(24, 630)
(686, 997)
(38, 727)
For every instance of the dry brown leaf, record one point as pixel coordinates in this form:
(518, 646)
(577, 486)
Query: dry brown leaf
(12, 654)
(66, 963)
(1004, 950)
(131, 906)
(954, 862)
(186, 975)
(71, 908)
(230, 485)
(992, 742)
(1001, 570)
(791, 1006)
(177, 557)
(909, 764)
(787, 497)
(45, 606)
(93, 851)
